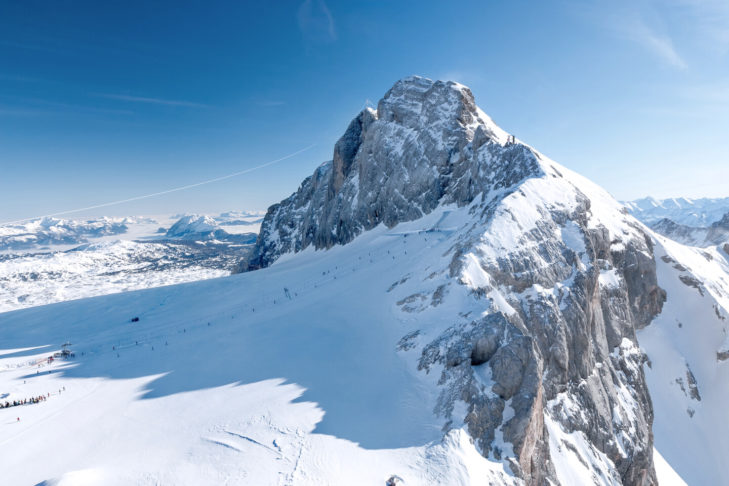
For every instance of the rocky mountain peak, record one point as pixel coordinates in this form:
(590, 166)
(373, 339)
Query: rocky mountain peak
(415, 101)
(722, 223)
(426, 144)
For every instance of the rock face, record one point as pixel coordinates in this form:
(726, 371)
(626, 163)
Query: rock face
(723, 223)
(541, 362)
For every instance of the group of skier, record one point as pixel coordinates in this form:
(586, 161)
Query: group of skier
(24, 401)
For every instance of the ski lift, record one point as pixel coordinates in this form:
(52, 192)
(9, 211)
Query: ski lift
(66, 350)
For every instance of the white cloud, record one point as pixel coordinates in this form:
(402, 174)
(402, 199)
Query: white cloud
(659, 44)
(155, 101)
(672, 30)
(316, 22)
(270, 103)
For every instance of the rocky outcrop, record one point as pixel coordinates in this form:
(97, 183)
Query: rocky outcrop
(565, 348)
(558, 274)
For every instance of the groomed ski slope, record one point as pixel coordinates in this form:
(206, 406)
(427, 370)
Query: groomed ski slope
(287, 375)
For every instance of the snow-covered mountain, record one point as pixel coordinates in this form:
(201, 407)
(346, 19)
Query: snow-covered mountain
(250, 219)
(692, 222)
(716, 233)
(440, 303)
(683, 211)
(54, 231)
(687, 371)
(194, 227)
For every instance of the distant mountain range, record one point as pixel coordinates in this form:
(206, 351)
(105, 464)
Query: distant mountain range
(695, 222)
(54, 231)
(53, 260)
(690, 212)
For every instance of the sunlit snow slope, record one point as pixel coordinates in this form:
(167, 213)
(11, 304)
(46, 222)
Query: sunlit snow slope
(688, 371)
(295, 383)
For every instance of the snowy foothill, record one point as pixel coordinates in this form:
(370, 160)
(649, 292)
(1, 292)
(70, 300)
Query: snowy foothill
(50, 234)
(33, 279)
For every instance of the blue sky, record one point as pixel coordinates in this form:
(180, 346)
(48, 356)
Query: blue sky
(101, 101)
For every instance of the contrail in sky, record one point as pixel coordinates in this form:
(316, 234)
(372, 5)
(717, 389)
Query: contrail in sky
(181, 188)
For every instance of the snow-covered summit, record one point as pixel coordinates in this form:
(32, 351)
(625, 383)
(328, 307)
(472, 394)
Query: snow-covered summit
(202, 228)
(193, 225)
